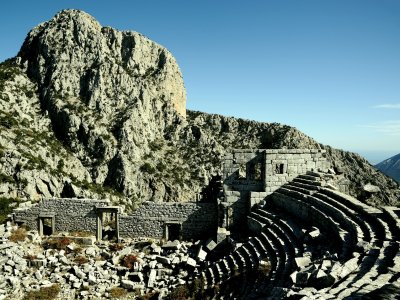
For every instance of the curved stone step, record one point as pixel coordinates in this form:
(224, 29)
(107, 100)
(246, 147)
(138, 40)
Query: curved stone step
(303, 187)
(377, 262)
(297, 205)
(365, 228)
(291, 231)
(307, 181)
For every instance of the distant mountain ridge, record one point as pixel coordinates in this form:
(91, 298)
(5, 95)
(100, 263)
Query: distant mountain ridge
(390, 167)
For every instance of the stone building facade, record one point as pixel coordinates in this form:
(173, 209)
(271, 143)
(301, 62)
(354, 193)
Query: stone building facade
(188, 220)
(250, 175)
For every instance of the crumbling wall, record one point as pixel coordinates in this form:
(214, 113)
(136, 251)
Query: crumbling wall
(69, 214)
(197, 220)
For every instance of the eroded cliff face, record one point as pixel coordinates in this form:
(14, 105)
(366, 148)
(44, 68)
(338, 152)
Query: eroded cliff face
(91, 111)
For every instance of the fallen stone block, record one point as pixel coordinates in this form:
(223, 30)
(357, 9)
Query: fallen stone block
(201, 254)
(302, 262)
(222, 234)
(210, 245)
(152, 278)
(322, 279)
(191, 262)
(300, 278)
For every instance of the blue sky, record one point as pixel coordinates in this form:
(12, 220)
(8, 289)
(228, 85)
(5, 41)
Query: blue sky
(329, 68)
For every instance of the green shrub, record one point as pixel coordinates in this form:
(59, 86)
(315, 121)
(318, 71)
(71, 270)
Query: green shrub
(7, 120)
(60, 165)
(147, 168)
(5, 208)
(180, 293)
(6, 178)
(8, 71)
(44, 293)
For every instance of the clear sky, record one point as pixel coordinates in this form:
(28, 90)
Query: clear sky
(330, 68)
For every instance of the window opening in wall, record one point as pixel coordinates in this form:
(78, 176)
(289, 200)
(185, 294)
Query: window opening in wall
(280, 169)
(172, 231)
(242, 171)
(256, 171)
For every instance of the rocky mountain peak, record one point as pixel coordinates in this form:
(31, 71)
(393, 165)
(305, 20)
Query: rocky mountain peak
(73, 56)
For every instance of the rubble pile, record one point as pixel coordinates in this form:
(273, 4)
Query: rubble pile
(91, 271)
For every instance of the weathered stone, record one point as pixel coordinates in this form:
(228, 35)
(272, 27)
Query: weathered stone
(191, 262)
(152, 278)
(201, 254)
(371, 188)
(302, 262)
(210, 245)
(174, 245)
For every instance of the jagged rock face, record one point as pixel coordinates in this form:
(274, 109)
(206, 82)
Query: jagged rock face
(72, 57)
(104, 115)
(391, 167)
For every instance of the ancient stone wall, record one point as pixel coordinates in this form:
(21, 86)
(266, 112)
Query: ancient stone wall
(196, 220)
(69, 214)
(283, 165)
(249, 175)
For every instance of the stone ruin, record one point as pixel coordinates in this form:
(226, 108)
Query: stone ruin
(284, 208)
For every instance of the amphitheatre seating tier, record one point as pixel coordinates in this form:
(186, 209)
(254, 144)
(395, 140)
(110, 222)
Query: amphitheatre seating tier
(365, 238)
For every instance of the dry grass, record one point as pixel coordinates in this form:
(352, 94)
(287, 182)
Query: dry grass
(80, 260)
(129, 261)
(117, 292)
(116, 247)
(57, 243)
(80, 233)
(18, 235)
(30, 257)
(45, 293)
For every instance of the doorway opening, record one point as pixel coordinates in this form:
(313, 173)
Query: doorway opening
(46, 225)
(108, 223)
(173, 231)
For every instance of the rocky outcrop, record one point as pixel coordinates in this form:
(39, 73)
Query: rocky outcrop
(90, 111)
(391, 167)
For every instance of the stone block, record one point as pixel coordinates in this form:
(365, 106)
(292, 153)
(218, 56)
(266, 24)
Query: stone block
(191, 262)
(210, 245)
(152, 278)
(201, 254)
(302, 262)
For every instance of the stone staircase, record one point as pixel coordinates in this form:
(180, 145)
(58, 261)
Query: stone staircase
(366, 241)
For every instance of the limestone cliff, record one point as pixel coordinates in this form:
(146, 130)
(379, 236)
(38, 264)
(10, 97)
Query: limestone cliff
(87, 110)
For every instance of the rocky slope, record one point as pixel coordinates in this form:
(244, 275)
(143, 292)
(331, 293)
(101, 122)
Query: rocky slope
(390, 167)
(91, 111)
